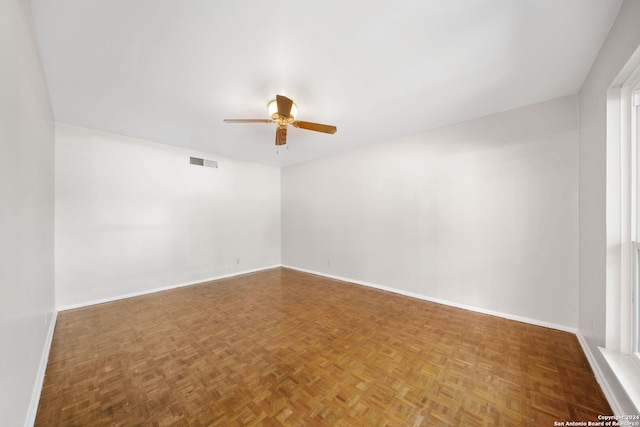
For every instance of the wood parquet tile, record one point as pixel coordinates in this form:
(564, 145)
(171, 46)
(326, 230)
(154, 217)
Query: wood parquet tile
(282, 347)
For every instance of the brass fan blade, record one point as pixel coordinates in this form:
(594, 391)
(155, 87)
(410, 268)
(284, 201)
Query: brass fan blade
(315, 126)
(281, 135)
(248, 121)
(284, 105)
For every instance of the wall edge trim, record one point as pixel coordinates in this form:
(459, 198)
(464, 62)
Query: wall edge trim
(508, 316)
(42, 369)
(600, 377)
(165, 288)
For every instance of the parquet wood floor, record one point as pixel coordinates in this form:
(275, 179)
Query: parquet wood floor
(282, 347)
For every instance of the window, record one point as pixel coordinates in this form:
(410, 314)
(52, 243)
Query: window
(634, 93)
(622, 344)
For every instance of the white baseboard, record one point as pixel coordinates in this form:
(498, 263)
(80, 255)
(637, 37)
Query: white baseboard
(166, 288)
(600, 377)
(616, 407)
(627, 372)
(42, 368)
(615, 404)
(444, 302)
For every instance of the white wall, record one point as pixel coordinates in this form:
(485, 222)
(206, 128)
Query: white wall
(622, 41)
(26, 212)
(133, 216)
(482, 214)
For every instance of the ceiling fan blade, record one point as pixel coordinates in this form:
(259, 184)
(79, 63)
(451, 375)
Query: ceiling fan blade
(281, 135)
(315, 126)
(284, 105)
(248, 121)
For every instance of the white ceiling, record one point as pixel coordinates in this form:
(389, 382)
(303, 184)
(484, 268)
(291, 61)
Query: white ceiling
(171, 71)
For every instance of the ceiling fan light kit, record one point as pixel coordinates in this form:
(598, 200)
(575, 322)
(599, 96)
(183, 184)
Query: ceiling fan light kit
(283, 111)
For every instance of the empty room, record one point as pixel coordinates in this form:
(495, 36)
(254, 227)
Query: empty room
(319, 213)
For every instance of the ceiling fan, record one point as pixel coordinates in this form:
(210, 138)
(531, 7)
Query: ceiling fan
(283, 111)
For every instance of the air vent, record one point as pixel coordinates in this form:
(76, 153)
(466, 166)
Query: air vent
(203, 162)
(211, 163)
(196, 161)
